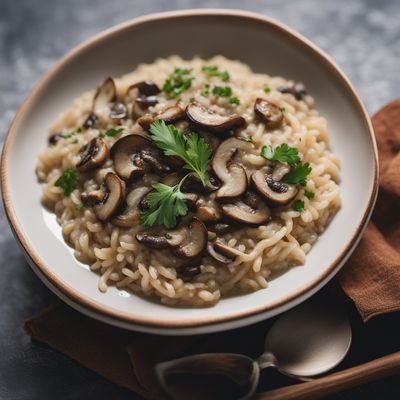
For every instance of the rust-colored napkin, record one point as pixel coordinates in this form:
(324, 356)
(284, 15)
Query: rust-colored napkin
(371, 278)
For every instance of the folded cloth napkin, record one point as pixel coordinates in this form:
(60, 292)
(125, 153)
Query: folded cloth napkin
(371, 278)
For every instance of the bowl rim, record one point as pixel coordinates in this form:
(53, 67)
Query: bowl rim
(152, 322)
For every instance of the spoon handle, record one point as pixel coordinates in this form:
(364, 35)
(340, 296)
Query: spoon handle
(319, 388)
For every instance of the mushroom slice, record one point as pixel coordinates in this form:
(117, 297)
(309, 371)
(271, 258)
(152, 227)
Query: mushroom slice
(161, 239)
(54, 138)
(133, 155)
(168, 115)
(146, 101)
(196, 240)
(113, 199)
(90, 121)
(232, 175)
(106, 93)
(274, 191)
(118, 111)
(220, 228)
(95, 155)
(208, 214)
(209, 120)
(250, 210)
(188, 272)
(93, 198)
(131, 214)
(298, 90)
(146, 88)
(269, 113)
(216, 255)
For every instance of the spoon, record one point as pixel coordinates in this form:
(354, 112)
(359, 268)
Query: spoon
(305, 342)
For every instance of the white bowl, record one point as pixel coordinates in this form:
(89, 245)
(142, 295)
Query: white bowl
(267, 46)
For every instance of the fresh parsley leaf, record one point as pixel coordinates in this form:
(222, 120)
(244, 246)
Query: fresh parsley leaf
(298, 205)
(283, 109)
(72, 135)
(222, 91)
(206, 91)
(250, 139)
(267, 89)
(309, 194)
(166, 203)
(190, 147)
(213, 70)
(234, 100)
(282, 153)
(78, 206)
(67, 181)
(112, 132)
(179, 81)
(298, 175)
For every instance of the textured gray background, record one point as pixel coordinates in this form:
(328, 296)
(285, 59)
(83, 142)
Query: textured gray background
(363, 36)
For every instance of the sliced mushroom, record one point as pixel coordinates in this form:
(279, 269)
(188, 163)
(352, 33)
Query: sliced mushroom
(208, 214)
(54, 138)
(115, 195)
(146, 88)
(134, 154)
(95, 155)
(146, 102)
(269, 113)
(90, 121)
(93, 198)
(168, 115)
(298, 90)
(220, 228)
(222, 253)
(193, 183)
(249, 210)
(130, 216)
(209, 120)
(118, 111)
(195, 242)
(274, 191)
(232, 175)
(161, 239)
(106, 94)
(188, 272)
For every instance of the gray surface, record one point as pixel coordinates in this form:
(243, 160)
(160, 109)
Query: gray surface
(362, 36)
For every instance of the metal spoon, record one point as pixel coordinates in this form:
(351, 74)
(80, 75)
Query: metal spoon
(307, 341)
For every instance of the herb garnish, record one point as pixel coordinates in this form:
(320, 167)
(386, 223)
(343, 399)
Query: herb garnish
(283, 109)
(234, 100)
(112, 132)
(72, 135)
(298, 175)
(67, 181)
(267, 89)
(222, 91)
(78, 206)
(298, 205)
(213, 70)
(282, 153)
(179, 81)
(167, 203)
(309, 194)
(250, 139)
(206, 91)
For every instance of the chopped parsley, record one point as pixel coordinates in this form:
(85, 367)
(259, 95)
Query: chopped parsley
(168, 236)
(283, 109)
(206, 91)
(267, 89)
(112, 132)
(298, 205)
(250, 139)
(179, 81)
(309, 194)
(234, 100)
(78, 206)
(282, 154)
(72, 135)
(213, 70)
(67, 181)
(222, 91)
(299, 175)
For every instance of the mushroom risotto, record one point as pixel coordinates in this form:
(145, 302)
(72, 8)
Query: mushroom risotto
(191, 180)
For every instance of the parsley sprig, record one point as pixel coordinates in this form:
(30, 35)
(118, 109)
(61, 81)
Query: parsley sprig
(67, 181)
(298, 205)
(299, 175)
(282, 154)
(179, 81)
(212, 70)
(167, 203)
(112, 132)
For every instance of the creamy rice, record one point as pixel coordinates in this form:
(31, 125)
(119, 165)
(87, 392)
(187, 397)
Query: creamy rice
(263, 251)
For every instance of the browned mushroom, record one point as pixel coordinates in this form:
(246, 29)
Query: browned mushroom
(231, 173)
(168, 115)
(195, 242)
(115, 193)
(130, 216)
(208, 214)
(158, 238)
(272, 189)
(54, 138)
(298, 90)
(134, 154)
(146, 88)
(221, 252)
(90, 121)
(95, 155)
(106, 94)
(189, 271)
(249, 210)
(118, 111)
(269, 113)
(209, 120)
(220, 228)
(93, 198)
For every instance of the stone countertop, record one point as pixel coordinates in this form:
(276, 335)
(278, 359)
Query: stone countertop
(362, 36)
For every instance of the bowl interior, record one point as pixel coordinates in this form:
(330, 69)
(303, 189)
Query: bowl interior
(266, 48)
